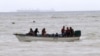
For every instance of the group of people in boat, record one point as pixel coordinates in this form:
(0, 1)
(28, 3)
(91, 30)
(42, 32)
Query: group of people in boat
(69, 32)
(34, 33)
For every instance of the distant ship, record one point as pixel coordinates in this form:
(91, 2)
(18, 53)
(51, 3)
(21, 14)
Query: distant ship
(35, 10)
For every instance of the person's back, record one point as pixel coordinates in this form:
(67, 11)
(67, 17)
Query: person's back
(31, 32)
(56, 35)
(63, 31)
(43, 32)
(36, 31)
(71, 31)
(68, 32)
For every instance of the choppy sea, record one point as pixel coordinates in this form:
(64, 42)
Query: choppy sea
(21, 22)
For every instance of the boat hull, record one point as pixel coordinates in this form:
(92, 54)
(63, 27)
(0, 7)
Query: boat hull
(26, 38)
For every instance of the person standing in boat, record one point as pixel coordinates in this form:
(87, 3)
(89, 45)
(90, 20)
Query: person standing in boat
(67, 32)
(63, 31)
(31, 32)
(71, 32)
(36, 31)
(43, 32)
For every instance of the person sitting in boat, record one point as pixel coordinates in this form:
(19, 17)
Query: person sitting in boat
(43, 32)
(36, 31)
(31, 32)
(56, 35)
(63, 31)
(71, 31)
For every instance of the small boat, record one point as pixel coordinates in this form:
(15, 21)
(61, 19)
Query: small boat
(49, 37)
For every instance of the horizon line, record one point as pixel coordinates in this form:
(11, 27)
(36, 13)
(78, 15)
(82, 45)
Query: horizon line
(52, 11)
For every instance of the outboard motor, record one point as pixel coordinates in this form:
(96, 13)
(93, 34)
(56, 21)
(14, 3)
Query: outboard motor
(77, 33)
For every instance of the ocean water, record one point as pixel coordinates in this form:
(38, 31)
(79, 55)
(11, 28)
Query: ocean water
(21, 22)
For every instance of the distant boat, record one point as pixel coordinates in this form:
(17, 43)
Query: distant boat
(28, 38)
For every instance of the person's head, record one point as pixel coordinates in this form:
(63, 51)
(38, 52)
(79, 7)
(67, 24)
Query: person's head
(70, 27)
(63, 26)
(44, 28)
(67, 28)
(31, 29)
(36, 28)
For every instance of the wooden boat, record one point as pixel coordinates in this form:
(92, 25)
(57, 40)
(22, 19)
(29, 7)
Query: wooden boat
(49, 37)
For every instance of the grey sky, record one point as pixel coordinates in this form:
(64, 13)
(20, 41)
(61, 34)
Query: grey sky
(59, 5)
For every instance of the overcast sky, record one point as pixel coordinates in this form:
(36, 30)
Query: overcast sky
(59, 5)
